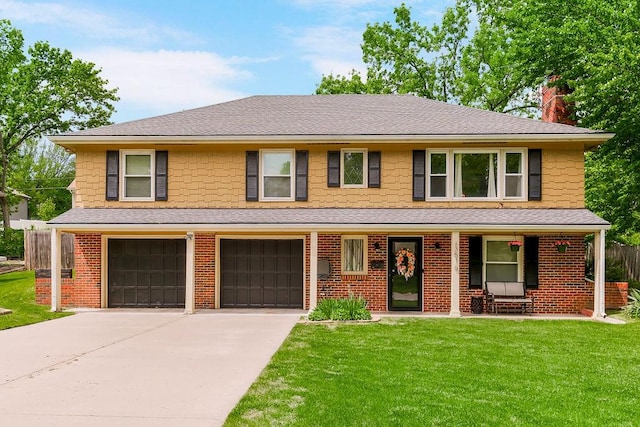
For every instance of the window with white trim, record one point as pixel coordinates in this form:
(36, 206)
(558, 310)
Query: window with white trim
(501, 263)
(354, 255)
(438, 174)
(137, 174)
(353, 167)
(276, 180)
(476, 174)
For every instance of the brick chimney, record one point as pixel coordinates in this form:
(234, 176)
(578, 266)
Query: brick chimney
(554, 108)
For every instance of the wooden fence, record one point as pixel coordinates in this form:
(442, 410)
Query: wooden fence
(37, 249)
(627, 256)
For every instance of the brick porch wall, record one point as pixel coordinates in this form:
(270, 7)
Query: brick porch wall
(205, 274)
(562, 289)
(83, 290)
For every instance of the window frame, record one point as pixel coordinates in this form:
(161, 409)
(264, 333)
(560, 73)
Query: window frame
(523, 174)
(365, 167)
(365, 250)
(123, 175)
(501, 165)
(519, 257)
(429, 175)
(262, 175)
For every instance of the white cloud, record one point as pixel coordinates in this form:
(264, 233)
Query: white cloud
(331, 49)
(89, 22)
(167, 81)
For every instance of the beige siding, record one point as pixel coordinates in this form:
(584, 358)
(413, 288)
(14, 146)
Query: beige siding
(206, 177)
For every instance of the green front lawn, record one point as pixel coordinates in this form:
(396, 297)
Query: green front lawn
(450, 372)
(18, 294)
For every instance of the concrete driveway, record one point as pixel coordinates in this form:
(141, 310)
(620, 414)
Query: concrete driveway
(137, 368)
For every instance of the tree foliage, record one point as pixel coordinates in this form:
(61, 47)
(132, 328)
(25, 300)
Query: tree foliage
(495, 55)
(43, 171)
(42, 91)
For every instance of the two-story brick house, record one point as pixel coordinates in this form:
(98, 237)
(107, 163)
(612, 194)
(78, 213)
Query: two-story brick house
(278, 201)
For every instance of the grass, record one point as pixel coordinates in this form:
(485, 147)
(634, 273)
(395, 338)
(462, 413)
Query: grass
(462, 372)
(17, 293)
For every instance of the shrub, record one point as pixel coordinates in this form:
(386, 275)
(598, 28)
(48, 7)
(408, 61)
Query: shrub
(12, 243)
(350, 308)
(633, 308)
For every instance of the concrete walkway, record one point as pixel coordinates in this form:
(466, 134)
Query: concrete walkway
(135, 368)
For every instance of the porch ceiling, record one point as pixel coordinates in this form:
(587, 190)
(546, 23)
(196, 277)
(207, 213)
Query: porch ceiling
(330, 219)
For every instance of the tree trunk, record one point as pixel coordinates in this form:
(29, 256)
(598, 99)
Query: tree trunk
(6, 222)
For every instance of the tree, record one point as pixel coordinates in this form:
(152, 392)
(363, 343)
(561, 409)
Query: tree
(43, 171)
(44, 91)
(443, 62)
(495, 54)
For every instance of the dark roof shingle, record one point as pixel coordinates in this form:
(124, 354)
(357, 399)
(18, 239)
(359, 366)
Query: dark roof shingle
(327, 217)
(326, 115)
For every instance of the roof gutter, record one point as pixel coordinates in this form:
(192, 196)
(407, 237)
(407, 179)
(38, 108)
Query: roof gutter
(345, 228)
(593, 138)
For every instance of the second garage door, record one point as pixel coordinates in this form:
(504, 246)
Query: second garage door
(262, 273)
(146, 272)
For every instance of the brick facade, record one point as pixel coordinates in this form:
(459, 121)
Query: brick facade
(562, 288)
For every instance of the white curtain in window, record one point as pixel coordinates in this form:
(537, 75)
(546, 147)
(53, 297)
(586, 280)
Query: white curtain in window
(457, 191)
(354, 255)
(491, 188)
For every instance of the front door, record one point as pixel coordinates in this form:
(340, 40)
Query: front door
(405, 273)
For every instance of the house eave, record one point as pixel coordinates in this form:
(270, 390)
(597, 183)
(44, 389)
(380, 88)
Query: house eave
(343, 228)
(589, 139)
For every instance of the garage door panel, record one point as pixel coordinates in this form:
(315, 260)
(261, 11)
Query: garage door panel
(146, 272)
(257, 273)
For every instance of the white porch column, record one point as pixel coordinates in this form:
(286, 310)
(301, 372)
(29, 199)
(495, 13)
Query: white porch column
(190, 288)
(56, 268)
(313, 271)
(598, 285)
(455, 274)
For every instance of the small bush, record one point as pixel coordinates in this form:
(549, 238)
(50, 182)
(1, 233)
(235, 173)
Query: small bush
(633, 308)
(12, 243)
(350, 308)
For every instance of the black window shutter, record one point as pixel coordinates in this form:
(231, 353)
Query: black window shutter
(333, 169)
(252, 176)
(113, 160)
(535, 174)
(419, 160)
(302, 172)
(531, 244)
(162, 164)
(374, 161)
(475, 262)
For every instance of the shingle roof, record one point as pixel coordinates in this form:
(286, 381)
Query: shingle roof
(338, 115)
(331, 217)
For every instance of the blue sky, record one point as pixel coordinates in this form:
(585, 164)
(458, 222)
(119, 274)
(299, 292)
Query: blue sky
(166, 56)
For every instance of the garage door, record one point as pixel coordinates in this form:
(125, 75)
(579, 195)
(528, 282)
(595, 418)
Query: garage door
(261, 273)
(146, 272)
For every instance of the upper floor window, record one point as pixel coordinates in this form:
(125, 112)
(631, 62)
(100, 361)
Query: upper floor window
(476, 174)
(353, 166)
(137, 174)
(277, 181)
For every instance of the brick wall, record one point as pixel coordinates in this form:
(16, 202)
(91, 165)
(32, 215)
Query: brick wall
(84, 289)
(205, 274)
(562, 288)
